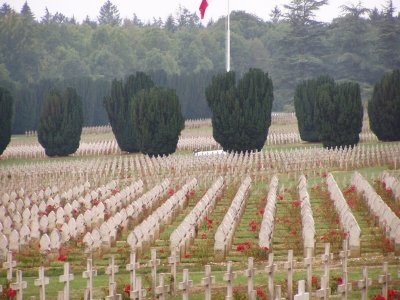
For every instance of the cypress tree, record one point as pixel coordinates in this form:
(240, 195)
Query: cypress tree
(339, 114)
(61, 121)
(384, 108)
(158, 120)
(6, 115)
(118, 107)
(241, 114)
(304, 102)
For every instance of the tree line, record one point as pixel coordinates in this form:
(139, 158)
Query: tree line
(38, 52)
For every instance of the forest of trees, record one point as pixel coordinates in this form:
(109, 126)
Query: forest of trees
(38, 52)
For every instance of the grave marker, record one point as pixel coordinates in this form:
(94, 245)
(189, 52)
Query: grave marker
(66, 278)
(185, 285)
(41, 282)
(207, 281)
(364, 283)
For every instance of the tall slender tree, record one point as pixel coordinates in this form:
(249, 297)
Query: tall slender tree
(109, 14)
(61, 122)
(384, 107)
(6, 115)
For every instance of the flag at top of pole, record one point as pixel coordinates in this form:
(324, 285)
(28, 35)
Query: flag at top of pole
(202, 8)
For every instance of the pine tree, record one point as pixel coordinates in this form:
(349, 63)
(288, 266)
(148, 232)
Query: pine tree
(61, 122)
(305, 98)
(241, 114)
(158, 120)
(109, 14)
(339, 114)
(384, 108)
(118, 107)
(26, 12)
(6, 115)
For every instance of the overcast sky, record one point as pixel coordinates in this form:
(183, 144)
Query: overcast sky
(147, 9)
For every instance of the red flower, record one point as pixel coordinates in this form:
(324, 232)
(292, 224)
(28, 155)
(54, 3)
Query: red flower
(265, 248)
(280, 197)
(261, 211)
(339, 280)
(115, 191)
(10, 293)
(243, 246)
(62, 257)
(127, 289)
(392, 294)
(378, 297)
(162, 250)
(296, 203)
(203, 236)
(343, 234)
(260, 293)
(389, 190)
(171, 192)
(253, 225)
(314, 279)
(187, 255)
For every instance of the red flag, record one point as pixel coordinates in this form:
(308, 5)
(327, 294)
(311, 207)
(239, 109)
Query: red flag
(203, 7)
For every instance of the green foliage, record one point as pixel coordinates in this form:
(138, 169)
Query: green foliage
(6, 114)
(305, 98)
(61, 122)
(241, 114)
(118, 107)
(339, 114)
(384, 108)
(109, 14)
(158, 120)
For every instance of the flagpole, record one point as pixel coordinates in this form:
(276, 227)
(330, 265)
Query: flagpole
(228, 42)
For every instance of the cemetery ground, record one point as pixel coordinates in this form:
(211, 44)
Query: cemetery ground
(290, 162)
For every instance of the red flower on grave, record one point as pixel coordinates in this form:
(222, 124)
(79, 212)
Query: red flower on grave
(392, 294)
(389, 190)
(344, 234)
(187, 255)
(62, 257)
(162, 250)
(261, 211)
(115, 191)
(10, 293)
(378, 297)
(171, 192)
(314, 280)
(333, 232)
(280, 197)
(127, 289)
(260, 293)
(339, 280)
(265, 248)
(324, 175)
(296, 203)
(203, 236)
(293, 232)
(253, 225)
(323, 238)
(243, 246)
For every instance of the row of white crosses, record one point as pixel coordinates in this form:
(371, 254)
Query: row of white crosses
(393, 183)
(307, 219)
(267, 223)
(283, 138)
(185, 232)
(346, 217)
(161, 289)
(224, 233)
(148, 230)
(387, 218)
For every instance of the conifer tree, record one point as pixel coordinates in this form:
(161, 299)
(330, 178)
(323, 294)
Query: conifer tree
(305, 98)
(118, 107)
(241, 114)
(6, 114)
(384, 108)
(339, 114)
(61, 121)
(158, 120)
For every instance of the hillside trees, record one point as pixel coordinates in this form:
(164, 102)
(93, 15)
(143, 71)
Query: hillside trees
(61, 122)
(384, 108)
(241, 114)
(6, 114)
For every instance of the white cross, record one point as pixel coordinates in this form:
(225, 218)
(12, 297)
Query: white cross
(162, 289)
(19, 285)
(66, 278)
(324, 291)
(111, 270)
(89, 274)
(288, 266)
(345, 287)
(132, 267)
(207, 282)
(185, 284)
(270, 269)
(384, 279)
(138, 293)
(250, 276)
(9, 264)
(301, 294)
(364, 283)
(153, 263)
(42, 281)
(229, 276)
(327, 258)
(278, 293)
(173, 260)
(112, 294)
(308, 263)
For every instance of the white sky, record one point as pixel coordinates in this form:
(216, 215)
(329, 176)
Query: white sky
(147, 9)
